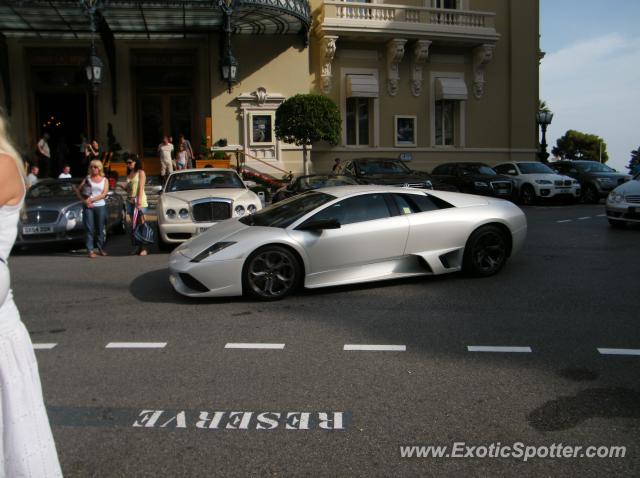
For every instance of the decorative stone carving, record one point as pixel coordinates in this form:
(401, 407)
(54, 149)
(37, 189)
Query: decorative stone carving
(395, 52)
(327, 52)
(420, 55)
(482, 55)
(261, 95)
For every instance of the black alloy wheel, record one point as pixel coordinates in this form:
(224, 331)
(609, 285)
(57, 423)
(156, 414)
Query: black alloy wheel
(590, 195)
(271, 273)
(527, 195)
(485, 252)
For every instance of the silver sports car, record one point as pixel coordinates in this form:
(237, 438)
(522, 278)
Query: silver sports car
(346, 235)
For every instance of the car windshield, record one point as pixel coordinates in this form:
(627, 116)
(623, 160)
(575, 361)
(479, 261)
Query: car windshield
(592, 167)
(316, 182)
(285, 213)
(380, 166)
(204, 180)
(535, 168)
(60, 189)
(477, 169)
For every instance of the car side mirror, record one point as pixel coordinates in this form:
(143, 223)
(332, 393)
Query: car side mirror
(319, 225)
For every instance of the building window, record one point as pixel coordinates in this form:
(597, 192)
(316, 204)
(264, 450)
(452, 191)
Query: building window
(445, 122)
(358, 115)
(446, 4)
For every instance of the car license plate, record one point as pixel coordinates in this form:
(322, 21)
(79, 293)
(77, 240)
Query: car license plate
(36, 229)
(202, 229)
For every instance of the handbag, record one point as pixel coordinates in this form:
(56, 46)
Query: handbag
(143, 233)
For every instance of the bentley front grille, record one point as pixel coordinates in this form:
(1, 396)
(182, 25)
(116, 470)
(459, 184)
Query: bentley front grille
(42, 216)
(211, 211)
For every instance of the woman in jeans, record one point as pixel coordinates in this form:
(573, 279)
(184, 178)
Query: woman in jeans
(136, 197)
(92, 190)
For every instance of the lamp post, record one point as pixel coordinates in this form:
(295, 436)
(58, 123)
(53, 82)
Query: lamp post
(93, 67)
(543, 118)
(229, 64)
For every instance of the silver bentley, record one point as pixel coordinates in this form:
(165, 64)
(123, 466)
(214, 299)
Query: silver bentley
(345, 235)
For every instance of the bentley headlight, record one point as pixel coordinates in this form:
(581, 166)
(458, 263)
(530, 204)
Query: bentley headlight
(183, 213)
(480, 184)
(217, 247)
(543, 181)
(251, 208)
(615, 197)
(74, 214)
(171, 213)
(239, 210)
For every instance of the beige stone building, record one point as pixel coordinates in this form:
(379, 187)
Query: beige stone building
(428, 81)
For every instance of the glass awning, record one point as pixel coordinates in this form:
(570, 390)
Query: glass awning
(151, 19)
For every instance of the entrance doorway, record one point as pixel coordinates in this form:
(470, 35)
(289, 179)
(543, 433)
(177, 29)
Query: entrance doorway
(65, 117)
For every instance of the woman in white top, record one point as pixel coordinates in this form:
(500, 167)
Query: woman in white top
(26, 442)
(92, 190)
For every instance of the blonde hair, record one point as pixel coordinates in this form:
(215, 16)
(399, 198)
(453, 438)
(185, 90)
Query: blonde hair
(6, 146)
(96, 162)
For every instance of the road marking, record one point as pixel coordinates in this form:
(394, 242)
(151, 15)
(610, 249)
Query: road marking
(43, 346)
(254, 346)
(619, 351)
(564, 220)
(136, 345)
(376, 348)
(602, 215)
(490, 348)
(583, 218)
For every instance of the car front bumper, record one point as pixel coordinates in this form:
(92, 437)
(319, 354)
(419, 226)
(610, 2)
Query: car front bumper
(176, 233)
(623, 211)
(551, 191)
(207, 278)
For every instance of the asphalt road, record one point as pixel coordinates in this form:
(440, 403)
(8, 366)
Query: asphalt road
(197, 405)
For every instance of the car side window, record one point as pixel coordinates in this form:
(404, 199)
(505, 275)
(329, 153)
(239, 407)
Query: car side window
(412, 203)
(442, 169)
(367, 207)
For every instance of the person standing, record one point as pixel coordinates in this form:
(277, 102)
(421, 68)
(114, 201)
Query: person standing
(165, 150)
(136, 197)
(91, 152)
(32, 178)
(92, 191)
(43, 154)
(188, 149)
(66, 172)
(27, 447)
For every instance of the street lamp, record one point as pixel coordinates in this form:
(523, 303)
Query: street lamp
(94, 68)
(229, 64)
(543, 118)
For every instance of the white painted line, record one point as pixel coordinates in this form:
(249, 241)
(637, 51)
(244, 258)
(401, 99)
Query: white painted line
(43, 346)
(583, 218)
(254, 346)
(489, 348)
(602, 215)
(565, 220)
(376, 348)
(619, 351)
(136, 345)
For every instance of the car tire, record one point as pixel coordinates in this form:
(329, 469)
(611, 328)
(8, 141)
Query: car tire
(486, 251)
(590, 195)
(271, 273)
(527, 195)
(617, 224)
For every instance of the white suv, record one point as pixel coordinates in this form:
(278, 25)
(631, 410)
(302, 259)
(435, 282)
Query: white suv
(623, 203)
(534, 180)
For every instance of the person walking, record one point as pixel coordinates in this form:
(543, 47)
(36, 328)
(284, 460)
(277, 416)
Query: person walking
(26, 442)
(189, 150)
(92, 191)
(165, 151)
(136, 197)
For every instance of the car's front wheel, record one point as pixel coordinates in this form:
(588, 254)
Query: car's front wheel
(527, 195)
(271, 273)
(486, 251)
(590, 195)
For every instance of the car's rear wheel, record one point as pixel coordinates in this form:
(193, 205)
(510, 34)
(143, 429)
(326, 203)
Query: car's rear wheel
(271, 273)
(590, 195)
(527, 195)
(617, 224)
(486, 251)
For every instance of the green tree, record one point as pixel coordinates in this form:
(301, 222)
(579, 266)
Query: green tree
(577, 145)
(307, 119)
(634, 162)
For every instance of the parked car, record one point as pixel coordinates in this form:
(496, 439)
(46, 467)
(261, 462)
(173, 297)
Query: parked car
(623, 203)
(313, 181)
(388, 172)
(193, 200)
(345, 235)
(474, 178)
(535, 181)
(597, 180)
(53, 213)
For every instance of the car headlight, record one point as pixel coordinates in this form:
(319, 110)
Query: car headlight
(428, 184)
(252, 208)
(170, 213)
(239, 210)
(480, 184)
(183, 213)
(615, 197)
(543, 181)
(217, 247)
(73, 214)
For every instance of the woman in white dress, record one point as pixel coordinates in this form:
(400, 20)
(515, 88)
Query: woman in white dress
(26, 443)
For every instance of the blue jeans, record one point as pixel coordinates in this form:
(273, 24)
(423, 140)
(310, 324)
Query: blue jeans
(95, 218)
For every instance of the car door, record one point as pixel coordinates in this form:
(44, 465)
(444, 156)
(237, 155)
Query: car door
(368, 236)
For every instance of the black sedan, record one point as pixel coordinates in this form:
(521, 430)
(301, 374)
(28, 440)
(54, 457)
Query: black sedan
(53, 213)
(312, 181)
(474, 178)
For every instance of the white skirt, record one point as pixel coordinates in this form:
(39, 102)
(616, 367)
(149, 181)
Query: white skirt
(26, 443)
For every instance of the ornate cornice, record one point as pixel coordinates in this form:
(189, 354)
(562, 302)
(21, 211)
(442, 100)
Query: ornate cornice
(395, 53)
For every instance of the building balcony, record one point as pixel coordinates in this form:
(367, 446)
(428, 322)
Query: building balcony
(373, 21)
